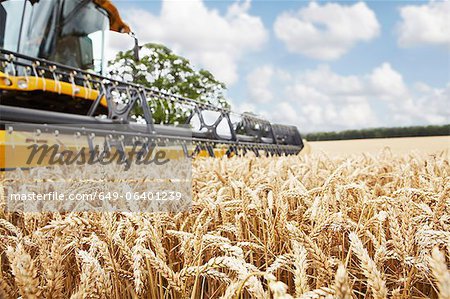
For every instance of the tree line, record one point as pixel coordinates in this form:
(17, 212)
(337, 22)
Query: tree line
(415, 131)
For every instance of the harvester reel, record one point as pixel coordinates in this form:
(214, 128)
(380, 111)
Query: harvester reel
(131, 106)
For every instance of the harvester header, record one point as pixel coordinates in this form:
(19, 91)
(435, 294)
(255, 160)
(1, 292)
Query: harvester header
(52, 74)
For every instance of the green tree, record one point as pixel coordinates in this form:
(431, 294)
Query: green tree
(442, 130)
(160, 68)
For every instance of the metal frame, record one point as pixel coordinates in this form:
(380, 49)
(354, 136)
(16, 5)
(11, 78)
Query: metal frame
(259, 134)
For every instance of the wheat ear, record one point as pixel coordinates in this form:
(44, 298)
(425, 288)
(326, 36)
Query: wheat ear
(341, 284)
(25, 272)
(440, 273)
(374, 278)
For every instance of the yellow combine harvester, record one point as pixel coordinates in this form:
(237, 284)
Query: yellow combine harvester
(53, 91)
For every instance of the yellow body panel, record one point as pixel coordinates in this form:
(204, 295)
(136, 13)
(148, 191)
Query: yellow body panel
(218, 152)
(15, 151)
(44, 84)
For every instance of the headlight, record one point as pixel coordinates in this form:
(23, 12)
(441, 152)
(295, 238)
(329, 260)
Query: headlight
(22, 83)
(6, 81)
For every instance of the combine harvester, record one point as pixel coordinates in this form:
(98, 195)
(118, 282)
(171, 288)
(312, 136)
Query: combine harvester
(53, 90)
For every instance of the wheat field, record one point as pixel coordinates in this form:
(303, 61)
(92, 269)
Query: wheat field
(401, 145)
(365, 226)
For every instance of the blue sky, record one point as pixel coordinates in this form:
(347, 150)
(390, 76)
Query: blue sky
(320, 65)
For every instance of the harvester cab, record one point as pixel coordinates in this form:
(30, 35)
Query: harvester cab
(53, 78)
(70, 32)
(65, 32)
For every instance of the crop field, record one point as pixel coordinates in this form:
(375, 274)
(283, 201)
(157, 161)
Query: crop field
(403, 145)
(315, 226)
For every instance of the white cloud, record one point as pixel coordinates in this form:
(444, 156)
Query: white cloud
(241, 107)
(327, 31)
(117, 42)
(258, 84)
(388, 83)
(326, 100)
(358, 114)
(286, 112)
(425, 24)
(427, 104)
(321, 99)
(409, 105)
(213, 41)
(331, 83)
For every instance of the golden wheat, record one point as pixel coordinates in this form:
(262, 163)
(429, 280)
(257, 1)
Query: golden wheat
(270, 227)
